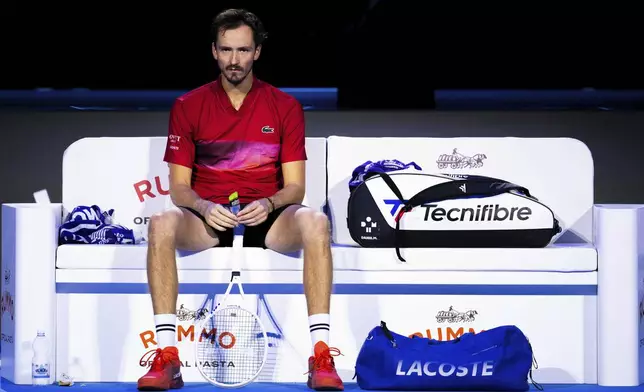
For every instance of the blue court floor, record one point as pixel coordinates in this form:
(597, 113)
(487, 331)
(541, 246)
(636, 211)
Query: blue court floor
(257, 387)
(6, 386)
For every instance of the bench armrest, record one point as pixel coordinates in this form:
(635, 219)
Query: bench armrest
(29, 242)
(619, 238)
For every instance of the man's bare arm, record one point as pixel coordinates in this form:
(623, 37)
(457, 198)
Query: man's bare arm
(181, 191)
(294, 184)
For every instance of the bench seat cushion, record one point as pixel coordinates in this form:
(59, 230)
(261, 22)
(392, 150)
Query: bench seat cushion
(556, 258)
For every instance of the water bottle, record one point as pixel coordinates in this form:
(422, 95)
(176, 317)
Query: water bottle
(40, 360)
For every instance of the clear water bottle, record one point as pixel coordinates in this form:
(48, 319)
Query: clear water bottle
(40, 360)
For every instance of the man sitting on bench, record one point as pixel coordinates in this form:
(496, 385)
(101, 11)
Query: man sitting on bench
(237, 133)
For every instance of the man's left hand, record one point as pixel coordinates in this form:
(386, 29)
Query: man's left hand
(255, 213)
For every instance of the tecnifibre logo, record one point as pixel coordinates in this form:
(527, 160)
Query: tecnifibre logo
(480, 213)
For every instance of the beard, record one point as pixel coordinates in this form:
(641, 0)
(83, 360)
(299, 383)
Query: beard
(235, 74)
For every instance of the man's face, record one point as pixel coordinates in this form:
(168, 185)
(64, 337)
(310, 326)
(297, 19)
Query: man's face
(235, 53)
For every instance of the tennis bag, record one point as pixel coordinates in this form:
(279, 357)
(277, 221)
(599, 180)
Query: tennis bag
(413, 209)
(499, 359)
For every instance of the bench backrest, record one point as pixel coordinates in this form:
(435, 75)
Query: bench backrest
(128, 174)
(558, 171)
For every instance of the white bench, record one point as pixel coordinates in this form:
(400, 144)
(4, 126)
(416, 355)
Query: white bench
(93, 301)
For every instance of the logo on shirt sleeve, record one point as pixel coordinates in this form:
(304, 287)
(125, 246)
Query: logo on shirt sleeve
(174, 139)
(267, 129)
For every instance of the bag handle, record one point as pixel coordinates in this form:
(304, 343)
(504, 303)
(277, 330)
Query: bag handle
(473, 186)
(387, 333)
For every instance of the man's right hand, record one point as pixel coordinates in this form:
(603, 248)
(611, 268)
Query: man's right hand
(219, 217)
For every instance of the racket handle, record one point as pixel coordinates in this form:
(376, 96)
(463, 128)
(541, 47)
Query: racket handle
(233, 199)
(235, 208)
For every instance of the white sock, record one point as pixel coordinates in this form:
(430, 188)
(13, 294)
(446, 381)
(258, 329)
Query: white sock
(319, 327)
(166, 326)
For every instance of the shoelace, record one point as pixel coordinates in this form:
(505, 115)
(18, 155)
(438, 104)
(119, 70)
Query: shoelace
(160, 358)
(324, 361)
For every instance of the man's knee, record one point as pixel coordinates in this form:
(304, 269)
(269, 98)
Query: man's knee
(314, 225)
(164, 224)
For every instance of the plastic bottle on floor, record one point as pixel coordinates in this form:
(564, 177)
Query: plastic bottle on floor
(40, 361)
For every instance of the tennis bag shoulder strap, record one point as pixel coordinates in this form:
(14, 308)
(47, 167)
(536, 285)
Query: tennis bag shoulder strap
(472, 186)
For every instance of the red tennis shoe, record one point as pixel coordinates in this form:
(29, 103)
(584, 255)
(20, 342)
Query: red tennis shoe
(322, 373)
(165, 371)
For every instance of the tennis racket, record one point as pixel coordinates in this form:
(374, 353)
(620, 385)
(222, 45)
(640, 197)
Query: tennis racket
(232, 346)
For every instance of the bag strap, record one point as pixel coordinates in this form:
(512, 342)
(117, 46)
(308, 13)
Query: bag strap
(473, 186)
(535, 365)
(388, 334)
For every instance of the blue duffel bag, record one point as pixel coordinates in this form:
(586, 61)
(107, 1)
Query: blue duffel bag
(498, 359)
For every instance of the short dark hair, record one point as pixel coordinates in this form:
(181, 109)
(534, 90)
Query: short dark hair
(233, 18)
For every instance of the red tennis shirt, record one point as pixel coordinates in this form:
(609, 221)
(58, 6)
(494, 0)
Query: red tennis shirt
(232, 150)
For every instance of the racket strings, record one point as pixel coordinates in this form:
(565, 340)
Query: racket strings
(231, 347)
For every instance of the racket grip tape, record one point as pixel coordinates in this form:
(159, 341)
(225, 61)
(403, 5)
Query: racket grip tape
(234, 202)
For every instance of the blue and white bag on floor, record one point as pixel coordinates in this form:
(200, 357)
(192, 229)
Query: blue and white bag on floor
(499, 359)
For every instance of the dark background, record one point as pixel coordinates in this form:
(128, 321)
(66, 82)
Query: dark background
(367, 48)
